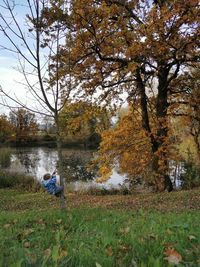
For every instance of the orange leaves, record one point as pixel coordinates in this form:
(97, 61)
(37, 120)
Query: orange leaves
(172, 256)
(82, 119)
(126, 146)
(105, 172)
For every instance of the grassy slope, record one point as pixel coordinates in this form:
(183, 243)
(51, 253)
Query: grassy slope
(109, 230)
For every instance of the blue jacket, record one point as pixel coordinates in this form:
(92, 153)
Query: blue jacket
(50, 185)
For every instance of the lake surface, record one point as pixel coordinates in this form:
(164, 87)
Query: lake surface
(39, 160)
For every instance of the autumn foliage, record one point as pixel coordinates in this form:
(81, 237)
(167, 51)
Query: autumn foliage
(138, 49)
(140, 52)
(127, 146)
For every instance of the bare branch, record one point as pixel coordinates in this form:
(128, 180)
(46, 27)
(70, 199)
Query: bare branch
(18, 103)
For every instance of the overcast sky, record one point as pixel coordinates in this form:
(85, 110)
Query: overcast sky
(11, 80)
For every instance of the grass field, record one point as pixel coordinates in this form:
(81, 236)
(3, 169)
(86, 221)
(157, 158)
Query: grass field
(142, 230)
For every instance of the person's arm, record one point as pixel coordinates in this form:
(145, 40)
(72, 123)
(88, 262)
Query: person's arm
(54, 173)
(53, 179)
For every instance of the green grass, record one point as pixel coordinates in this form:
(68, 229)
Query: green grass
(84, 236)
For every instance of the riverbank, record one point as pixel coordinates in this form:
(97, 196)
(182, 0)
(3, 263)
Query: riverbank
(100, 231)
(49, 140)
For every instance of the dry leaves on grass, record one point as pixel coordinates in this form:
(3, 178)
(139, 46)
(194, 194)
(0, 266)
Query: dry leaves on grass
(172, 256)
(192, 237)
(109, 251)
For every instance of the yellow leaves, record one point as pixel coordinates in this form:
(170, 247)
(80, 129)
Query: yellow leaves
(172, 256)
(105, 173)
(82, 119)
(127, 145)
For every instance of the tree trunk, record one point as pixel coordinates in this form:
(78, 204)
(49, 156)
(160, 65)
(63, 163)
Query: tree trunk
(161, 176)
(60, 163)
(158, 141)
(160, 151)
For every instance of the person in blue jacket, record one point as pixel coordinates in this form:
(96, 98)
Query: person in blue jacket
(50, 184)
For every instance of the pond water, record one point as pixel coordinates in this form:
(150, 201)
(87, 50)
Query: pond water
(39, 160)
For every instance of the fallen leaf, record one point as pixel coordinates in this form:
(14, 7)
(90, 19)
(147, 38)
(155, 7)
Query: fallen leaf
(63, 253)
(26, 244)
(41, 221)
(28, 231)
(192, 237)
(125, 230)
(47, 252)
(6, 225)
(123, 248)
(109, 251)
(173, 256)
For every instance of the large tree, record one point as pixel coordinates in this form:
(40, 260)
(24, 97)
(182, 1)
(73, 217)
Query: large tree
(137, 47)
(37, 44)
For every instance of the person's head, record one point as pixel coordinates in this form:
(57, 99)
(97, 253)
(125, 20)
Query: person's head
(47, 176)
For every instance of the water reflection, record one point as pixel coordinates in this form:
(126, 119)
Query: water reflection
(76, 165)
(37, 161)
(33, 161)
(27, 160)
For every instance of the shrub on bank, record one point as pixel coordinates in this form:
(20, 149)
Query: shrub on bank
(5, 157)
(191, 176)
(18, 181)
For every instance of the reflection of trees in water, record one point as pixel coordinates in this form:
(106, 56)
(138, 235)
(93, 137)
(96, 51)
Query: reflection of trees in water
(76, 166)
(37, 161)
(48, 159)
(28, 159)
